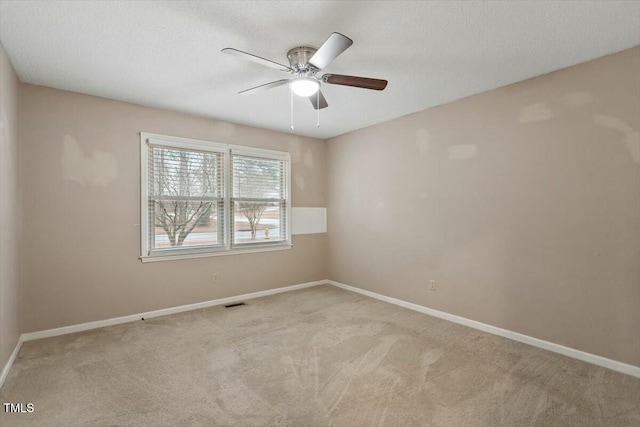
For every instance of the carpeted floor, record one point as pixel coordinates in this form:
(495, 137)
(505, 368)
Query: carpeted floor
(316, 357)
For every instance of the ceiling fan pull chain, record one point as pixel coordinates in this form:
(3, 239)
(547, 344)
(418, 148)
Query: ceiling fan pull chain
(291, 93)
(318, 110)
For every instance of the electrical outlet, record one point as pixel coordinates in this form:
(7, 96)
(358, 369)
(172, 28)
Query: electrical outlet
(215, 277)
(432, 285)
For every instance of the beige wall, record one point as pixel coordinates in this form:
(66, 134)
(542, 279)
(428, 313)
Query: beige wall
(80, 171)
(10, 327)
(523, 203)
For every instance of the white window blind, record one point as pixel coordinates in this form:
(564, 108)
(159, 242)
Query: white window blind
(259, 200)
(200, 198)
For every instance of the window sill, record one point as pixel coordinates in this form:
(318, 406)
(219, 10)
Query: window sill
(251, 250)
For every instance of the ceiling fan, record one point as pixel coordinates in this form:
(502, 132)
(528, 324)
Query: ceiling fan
(304, 63)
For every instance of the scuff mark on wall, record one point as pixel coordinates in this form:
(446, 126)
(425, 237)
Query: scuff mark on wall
(98, 170)
(224, 129)
(577, 99)
(460, 152)
(422, 140)
(308, 158)
(295, 149)
(4, 129)
(631, 136)
(534, 113)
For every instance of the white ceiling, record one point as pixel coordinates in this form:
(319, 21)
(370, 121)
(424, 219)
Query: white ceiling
(167, 53)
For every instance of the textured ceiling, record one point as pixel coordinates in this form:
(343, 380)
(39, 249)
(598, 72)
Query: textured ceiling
(167, 54)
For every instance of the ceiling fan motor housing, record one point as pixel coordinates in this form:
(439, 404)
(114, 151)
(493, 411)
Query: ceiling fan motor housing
(299, 60)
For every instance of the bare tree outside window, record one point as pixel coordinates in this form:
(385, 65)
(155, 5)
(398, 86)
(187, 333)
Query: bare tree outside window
(253, 212)
(178, 219)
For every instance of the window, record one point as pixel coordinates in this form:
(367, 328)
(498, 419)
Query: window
(201, 199)
(259, 200)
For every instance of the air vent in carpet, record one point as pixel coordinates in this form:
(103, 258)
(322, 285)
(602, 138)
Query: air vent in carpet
(234, 305)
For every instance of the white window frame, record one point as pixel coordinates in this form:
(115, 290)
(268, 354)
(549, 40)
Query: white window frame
(226, 149)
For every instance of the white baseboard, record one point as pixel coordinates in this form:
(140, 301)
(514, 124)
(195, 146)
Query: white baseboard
(546, 345)
(9, 364)
(163, 312)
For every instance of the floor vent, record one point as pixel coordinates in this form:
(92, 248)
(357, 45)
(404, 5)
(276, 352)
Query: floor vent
(234, 305)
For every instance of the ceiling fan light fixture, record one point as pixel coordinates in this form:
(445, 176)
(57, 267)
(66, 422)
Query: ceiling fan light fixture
(304, 86)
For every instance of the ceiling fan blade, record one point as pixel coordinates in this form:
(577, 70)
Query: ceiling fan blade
(363, 82)
(264, 87)
(330, 49)
(254, 58)
(322, 102)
